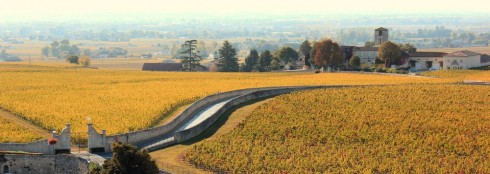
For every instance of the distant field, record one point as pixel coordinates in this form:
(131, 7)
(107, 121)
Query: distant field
(387, 129)
(136, 47)
(122, 101)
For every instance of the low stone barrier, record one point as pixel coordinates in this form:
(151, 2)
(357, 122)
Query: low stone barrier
(63, 144)
(100, 142)
(192, 132)
(42, 164)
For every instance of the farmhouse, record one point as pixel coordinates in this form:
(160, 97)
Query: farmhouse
(418, 60)
(426, 60)
(369, 54)
(465, 60)
(366, 54)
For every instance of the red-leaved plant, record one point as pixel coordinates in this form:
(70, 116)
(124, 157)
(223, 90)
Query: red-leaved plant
(52, 141)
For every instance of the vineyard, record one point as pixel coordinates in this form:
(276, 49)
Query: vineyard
(430, 128)
(122, 101)
(460, 75)
(483, 76)
(11, 132)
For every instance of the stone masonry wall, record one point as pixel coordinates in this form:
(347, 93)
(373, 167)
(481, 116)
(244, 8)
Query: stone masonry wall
(42, 146)
(42, 164)
(98, 141)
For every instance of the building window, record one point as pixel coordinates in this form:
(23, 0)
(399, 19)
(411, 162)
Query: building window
(380, 33)
(6, 169)
(461, 61)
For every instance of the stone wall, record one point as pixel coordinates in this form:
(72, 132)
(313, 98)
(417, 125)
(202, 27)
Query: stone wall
(187, 134)
(42, 164)
(102, 142)
(98, 141)
(62, 146)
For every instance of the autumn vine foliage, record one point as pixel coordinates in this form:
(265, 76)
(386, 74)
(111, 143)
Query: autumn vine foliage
(12, 132)
(122, 101)
(381, 129)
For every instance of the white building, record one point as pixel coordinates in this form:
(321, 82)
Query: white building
(457, 60)
(366, 54)
(426, 60)
(465, 60)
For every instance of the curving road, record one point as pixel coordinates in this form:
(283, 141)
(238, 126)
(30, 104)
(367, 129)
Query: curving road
(196, 119)
(204, 114)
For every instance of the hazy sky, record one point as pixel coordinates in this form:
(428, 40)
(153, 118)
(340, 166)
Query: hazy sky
(41, 8)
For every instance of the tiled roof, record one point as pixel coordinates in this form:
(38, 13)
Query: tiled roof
(381, 29)
(464, 53)
(427, 54)
(366, 49)
(162, 67)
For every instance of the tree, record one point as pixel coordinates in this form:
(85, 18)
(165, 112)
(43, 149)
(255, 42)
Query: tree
(54, 48)
(190, 56)
(408, 48)
(84, 60)
(65, 42)
(337, 58)
(389, 53)
(305, 49)
(74, 50)
(55, 44)
(288, 54)
(61, 49)
(355, 62)
(369, 44)
(228, 62)
(251, 60)
(265, 61)
(72, 59)
(313, 53)
(323, 53)
(275, 64)
(328, 54)
(87, 52)
(45, 51)
(127, 159)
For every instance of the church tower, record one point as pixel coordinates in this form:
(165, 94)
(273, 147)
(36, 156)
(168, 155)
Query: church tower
(380, 36)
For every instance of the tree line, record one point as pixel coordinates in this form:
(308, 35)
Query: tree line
(63, 49)
(322, 54)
